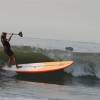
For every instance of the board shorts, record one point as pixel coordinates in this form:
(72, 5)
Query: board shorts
(9, 52)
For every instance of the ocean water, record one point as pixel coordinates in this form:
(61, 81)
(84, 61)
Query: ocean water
(79, 82)
(56, 44)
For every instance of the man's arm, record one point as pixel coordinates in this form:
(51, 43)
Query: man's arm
(10, 37)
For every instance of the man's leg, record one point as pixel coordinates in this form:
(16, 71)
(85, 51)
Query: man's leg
(9, 62)
(14, 61)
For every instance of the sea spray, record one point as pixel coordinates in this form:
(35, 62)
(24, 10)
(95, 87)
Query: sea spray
(85, 64)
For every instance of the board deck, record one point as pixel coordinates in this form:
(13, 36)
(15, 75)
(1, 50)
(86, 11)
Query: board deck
(40, 67)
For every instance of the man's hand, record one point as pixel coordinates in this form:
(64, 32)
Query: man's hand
(10, 37)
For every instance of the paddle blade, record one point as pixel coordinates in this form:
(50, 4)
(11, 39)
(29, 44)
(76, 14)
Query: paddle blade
(20, 34)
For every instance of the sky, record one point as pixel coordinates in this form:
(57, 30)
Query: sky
(75, 20)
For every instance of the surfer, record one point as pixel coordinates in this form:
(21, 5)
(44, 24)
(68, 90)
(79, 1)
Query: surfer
(7, 49)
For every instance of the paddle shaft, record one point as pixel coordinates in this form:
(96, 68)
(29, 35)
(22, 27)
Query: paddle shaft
(20, 34)
(13, 33)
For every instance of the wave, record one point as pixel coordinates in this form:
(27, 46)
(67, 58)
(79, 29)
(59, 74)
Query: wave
(84, 63)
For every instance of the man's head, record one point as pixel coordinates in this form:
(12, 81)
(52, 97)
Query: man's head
(4, 33)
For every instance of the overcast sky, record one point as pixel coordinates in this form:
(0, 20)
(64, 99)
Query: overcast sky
(75, 20)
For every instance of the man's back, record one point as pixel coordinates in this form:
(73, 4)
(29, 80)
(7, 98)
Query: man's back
(5, 43)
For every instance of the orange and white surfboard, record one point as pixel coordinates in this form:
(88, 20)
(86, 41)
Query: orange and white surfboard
(40, 67)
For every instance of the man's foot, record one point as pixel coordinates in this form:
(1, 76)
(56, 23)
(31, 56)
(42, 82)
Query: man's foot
(18, 66)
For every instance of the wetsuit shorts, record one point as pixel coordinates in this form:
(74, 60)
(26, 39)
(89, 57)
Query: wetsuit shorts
(9, 52)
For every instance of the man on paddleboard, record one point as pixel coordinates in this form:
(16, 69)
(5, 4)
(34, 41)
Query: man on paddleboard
(7, 49)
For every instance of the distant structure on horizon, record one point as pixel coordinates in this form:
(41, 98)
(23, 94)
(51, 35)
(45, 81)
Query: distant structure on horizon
(69, 48)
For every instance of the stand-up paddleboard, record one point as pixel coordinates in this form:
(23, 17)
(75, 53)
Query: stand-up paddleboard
(44, 67)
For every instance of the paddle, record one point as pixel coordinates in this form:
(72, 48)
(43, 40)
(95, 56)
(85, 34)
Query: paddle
(20, 34)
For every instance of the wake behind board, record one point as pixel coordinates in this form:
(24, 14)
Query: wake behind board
(44, 67)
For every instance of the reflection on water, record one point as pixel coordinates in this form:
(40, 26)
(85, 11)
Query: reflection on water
(52, 78)
(61, 78)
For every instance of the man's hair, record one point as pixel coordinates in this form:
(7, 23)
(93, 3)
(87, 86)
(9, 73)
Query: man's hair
(4, 33)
